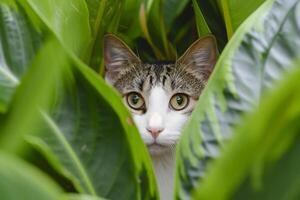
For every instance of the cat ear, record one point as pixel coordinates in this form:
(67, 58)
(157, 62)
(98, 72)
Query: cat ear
(200, 57)
(117, 57)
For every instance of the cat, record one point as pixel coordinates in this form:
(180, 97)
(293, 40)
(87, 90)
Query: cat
(160, 97)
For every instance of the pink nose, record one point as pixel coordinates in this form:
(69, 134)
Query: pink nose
(155, 131)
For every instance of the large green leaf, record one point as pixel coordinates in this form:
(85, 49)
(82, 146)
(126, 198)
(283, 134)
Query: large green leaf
(18, 180)
(81, 197)
(19, 42)
(260, 52)
(235, 12)
(88, 136)
(91, 135)
(67, 20)
(37, 90)
(262, 160)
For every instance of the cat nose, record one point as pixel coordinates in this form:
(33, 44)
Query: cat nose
(155, 124)
(155, 131)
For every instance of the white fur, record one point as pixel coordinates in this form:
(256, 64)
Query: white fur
(164, 166)
(159, 115)
(156, 121)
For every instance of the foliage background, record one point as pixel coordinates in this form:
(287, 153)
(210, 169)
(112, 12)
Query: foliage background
(62, 126)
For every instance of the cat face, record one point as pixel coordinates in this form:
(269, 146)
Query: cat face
(160, 97)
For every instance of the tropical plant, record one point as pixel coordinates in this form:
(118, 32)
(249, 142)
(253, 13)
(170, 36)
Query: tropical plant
(65, 134)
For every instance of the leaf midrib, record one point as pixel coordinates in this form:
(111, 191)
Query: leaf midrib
(227, 18)
(71, 153)
(272, 42)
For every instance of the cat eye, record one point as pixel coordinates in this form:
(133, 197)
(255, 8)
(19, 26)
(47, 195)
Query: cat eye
(135, 101)
(179, 101)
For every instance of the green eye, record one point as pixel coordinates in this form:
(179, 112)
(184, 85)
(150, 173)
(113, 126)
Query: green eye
(179, 101)
(135, 101)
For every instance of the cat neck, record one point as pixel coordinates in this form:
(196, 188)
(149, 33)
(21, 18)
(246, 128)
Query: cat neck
(164, 166)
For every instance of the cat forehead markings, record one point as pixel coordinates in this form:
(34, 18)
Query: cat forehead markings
(189, 74)
(138, 74)
(173, 78)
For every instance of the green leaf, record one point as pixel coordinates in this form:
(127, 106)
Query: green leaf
(88, 134)
(67, 20)
(235, 12)
(19, 41)
(91, 134)
(155, 24)
(266, 148)
(96, 11)
(11, 3)
(171, 10)
(81, 197)
(202, 27)
(260, 52)
(143, 16)
(214, 19)
(105, 16)
(32, 87)
(18, 180)
(129, 25)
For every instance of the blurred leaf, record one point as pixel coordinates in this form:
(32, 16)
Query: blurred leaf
(104, 18)
(214, 18)
(43, 74)
(11, 3)
(96, 11)
(260, 52)
(81, 197)
(89, 123)
(171, 10)
(145, 30)
(266, 148)
(235, 12)
(19, 41)
(162, 48)
(183, 31)
(202, 27)
(67, 20)
(19, 180)
(129, 26)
